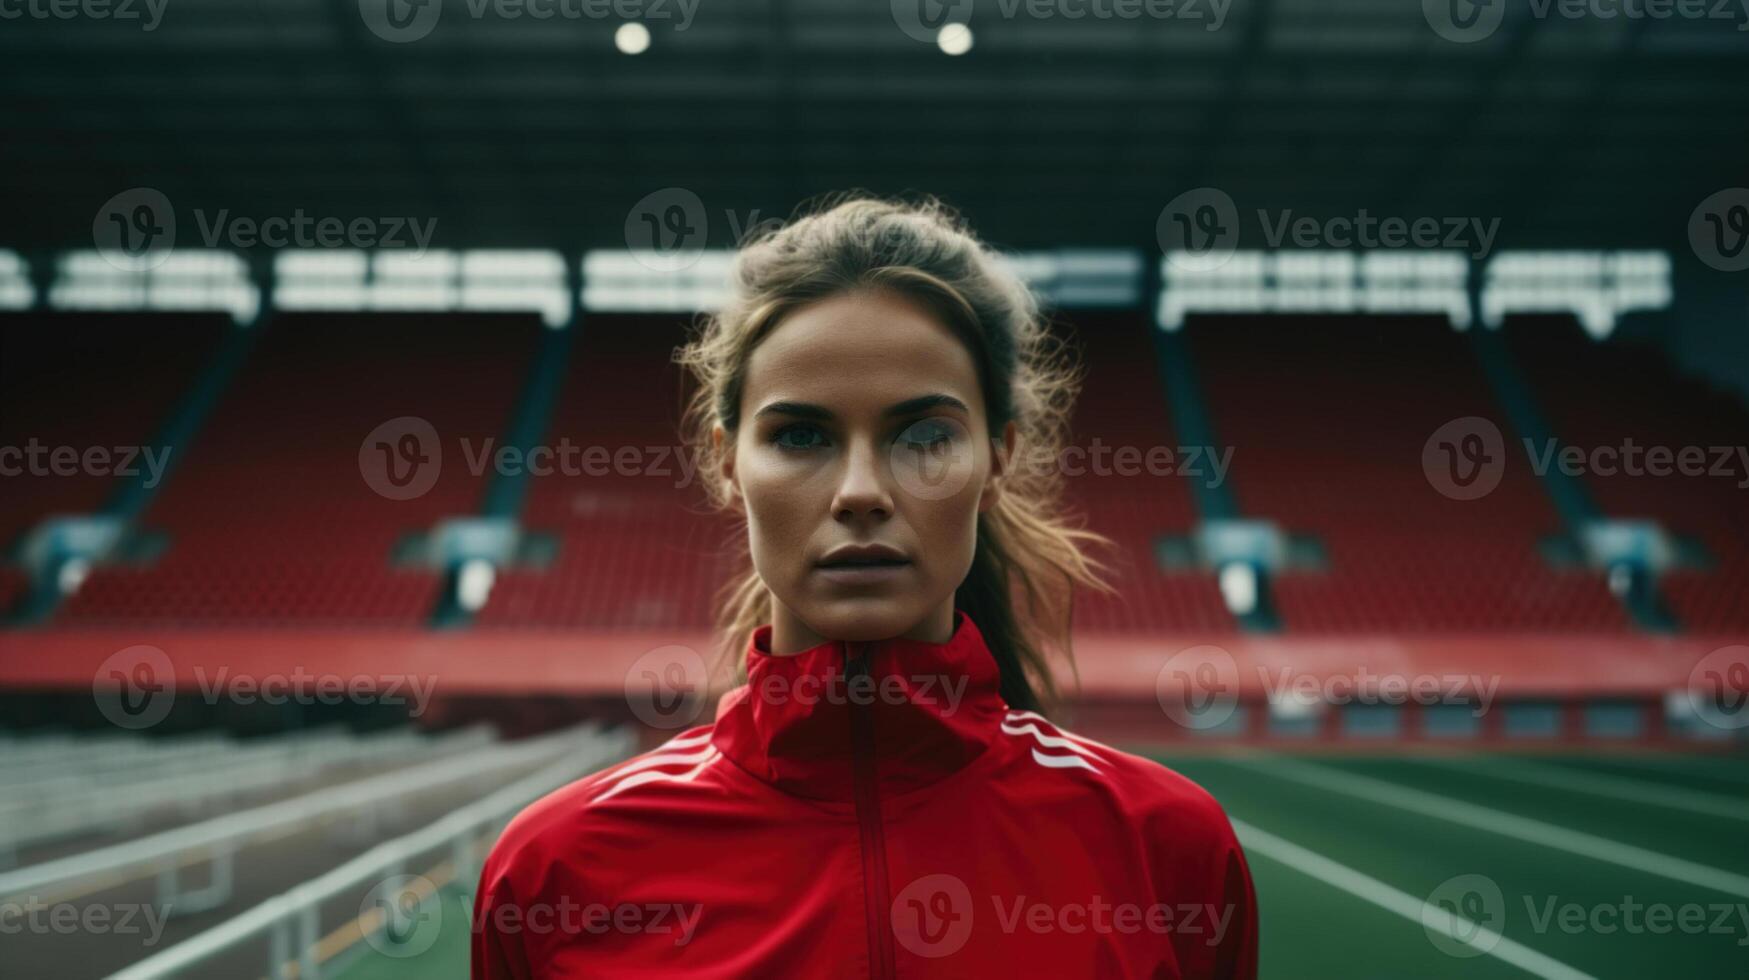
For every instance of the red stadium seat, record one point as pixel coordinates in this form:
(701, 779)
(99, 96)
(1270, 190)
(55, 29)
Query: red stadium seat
(636, 547)
(1328, 417)
(89, 380)
(1121, 405)
(270, 520)
(1601, 394)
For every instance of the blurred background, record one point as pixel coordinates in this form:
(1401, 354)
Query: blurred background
(343, 509)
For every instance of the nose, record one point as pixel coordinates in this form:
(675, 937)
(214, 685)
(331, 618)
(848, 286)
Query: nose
(862, 486)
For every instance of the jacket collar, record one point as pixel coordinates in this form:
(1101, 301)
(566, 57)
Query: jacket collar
(924, 711)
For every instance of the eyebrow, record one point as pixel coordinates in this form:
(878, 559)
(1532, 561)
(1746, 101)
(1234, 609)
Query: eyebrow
(808, 410)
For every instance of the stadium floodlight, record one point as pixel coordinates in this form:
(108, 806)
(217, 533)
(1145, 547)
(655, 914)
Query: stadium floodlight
(473, 584)
(1317, 281)
(1238, 581)
(1293, 705)
(73, 573)
(183, 280)
(16, 292)
(954, 39)
(490, 280)
(1080, 278)
(644, 281)
(1596, 287)
(632, 38)
(1621, 579)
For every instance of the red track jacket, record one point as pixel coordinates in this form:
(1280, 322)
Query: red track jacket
(870, 810)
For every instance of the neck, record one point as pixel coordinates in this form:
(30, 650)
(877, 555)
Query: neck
(790, 635)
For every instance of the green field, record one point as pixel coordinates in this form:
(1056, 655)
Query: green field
(1575, 866)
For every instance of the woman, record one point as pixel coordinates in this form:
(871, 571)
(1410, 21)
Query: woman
(883, 796)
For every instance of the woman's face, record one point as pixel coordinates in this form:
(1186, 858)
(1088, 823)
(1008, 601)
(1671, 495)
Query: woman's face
(863, 427)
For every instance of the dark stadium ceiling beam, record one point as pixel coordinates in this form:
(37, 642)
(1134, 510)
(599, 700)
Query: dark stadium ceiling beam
(68, 203)
(540, 131)
(298, 122)
(311, 180)
(1568, 140)
(1459, 122)
(1218, 118)
(652, 67)
(609, 197)
(386, 105)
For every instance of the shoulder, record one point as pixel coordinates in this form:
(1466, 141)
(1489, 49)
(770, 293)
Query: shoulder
(1165, 802)
(562, 828)
(1166, 819)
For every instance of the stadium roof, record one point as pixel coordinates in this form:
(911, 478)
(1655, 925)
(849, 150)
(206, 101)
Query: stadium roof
(514, 130)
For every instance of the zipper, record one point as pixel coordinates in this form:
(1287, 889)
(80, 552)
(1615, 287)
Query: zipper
(876, 901)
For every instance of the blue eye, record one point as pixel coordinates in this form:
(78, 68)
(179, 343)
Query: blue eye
(927, 433)
(781, 438)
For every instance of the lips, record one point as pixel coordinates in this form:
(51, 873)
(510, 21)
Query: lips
(861, 569)
(873, 563)
(863, 556)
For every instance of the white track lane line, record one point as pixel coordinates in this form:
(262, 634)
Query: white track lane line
(1613, 787)
(1418, 911)
(1506, 824)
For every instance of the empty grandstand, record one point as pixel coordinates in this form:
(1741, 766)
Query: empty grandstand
(345, 505)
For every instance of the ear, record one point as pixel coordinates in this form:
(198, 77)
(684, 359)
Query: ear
(1001, 462)
(726, 453)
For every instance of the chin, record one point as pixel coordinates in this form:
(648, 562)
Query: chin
(863, 619)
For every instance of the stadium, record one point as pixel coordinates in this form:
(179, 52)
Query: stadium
(345, 508)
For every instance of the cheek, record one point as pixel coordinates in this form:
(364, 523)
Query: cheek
(948, 529)
(777, 506)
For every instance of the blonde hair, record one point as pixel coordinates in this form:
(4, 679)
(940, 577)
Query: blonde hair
(1030, 557)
